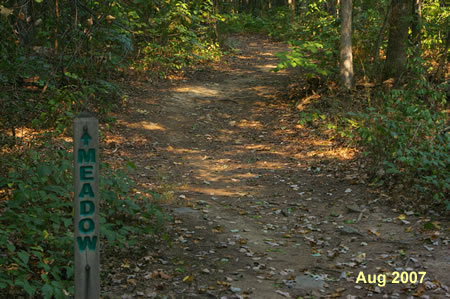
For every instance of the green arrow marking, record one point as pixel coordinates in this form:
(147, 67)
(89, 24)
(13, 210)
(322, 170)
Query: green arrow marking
(86, 137)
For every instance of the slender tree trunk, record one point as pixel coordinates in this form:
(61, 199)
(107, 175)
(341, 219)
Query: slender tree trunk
(417, 21)
(443, 59)
(56, 26)
(75, 19)
(338, 2)
(346, 67)
(381, 33)
(444, 56)
(214, 21)
(396, 55)
(302, 7)
(331, 7)
(254, 5)
(292, 8)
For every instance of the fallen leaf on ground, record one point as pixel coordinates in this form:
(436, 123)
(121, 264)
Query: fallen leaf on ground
(188, 278)
(160, 274)
(374, 232)
(284, 294)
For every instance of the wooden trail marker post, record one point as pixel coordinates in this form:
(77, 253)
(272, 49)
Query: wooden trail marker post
(86, 206)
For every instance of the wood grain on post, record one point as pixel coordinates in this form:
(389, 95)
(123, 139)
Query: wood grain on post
(86, 207)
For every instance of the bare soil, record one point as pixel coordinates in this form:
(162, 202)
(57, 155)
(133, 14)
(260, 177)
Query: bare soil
(261, 206)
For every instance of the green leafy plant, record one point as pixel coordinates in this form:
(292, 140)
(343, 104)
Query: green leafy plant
(243, 22)
(411, 141)
(303, 55)
(36, 240)
(179, 35)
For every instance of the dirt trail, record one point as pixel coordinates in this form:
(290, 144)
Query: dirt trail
(261, 206)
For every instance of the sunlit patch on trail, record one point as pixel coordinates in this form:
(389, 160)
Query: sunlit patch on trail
(258, 147)
(198, 90)
(267, 67)
(212, 191)
(250, 124)
(148, 126)
(183, 151)
(267, 54)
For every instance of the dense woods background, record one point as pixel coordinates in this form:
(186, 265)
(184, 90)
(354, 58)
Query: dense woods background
(380, 68)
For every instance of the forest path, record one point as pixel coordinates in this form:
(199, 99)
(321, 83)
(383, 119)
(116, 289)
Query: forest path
(261, 206)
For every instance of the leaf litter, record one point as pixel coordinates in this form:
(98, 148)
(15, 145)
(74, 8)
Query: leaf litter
(267, 225)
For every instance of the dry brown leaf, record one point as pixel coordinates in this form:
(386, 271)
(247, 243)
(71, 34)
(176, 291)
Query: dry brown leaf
(337, 293)
(160, 274)
(125, 265)
(420, 290)
(132, 281)
(5, 11)
(284, 294)
(188, 278)
(223, 283)
(304, 231)
(402, 217)
(31, 79)
(110, 18)
(374, 232)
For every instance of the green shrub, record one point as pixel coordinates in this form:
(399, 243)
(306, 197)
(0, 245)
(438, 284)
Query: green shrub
(313, 42)
(305, 55)
(177, 36)
(410, 141)
(36, 239)
(242, 22)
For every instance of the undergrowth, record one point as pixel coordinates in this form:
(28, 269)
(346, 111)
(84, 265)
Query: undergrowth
(36, 239)
(55, 62)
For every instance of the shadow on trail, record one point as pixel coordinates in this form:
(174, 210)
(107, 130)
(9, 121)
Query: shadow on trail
(256, 188)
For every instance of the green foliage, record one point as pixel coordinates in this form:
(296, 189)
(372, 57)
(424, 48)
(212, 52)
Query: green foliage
(435, 24)
(410, 140)
(313, 40)
(57, 61)
(279, 25)
(179, 34)
(36, 240)
(36, 223)
(243, 22)
(310, 117)
(404, 134)
(124, 218)
(54, 63)
(305, 55)
(53, 68)
(403, 131)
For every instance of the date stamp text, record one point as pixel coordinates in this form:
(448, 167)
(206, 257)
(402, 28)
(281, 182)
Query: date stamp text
(394, 278)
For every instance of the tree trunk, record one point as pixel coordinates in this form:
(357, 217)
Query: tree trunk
(443, 59)
(56, 45)
(214, 21)
(292, 8)
(381, 33)
(331, 7)
(417, 21)
(346, 67)
(396, 56)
